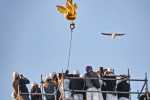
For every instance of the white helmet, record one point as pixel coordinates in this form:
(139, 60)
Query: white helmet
(81, 75)
(15, 74)
(76, 72)
(13, 95)
(33, 84)
(52, 74)
(110, 70)
(48, 78)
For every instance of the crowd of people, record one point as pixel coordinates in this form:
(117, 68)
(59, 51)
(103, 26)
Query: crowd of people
(77, 86)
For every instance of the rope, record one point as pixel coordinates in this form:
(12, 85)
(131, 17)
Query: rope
(72, 26)
(69, 50)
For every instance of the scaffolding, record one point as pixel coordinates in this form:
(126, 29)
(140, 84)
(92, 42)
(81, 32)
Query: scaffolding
(139, 93)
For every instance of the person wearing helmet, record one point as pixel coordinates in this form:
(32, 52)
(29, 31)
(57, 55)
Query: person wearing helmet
(65, 86)
(76, 84)
(92, 84)
(101, 82)
(53, 75)
(110, 85)
(20, 81)
(35, 89)
(13, 95)
(144, 96)
(49, 88)
(123, 86)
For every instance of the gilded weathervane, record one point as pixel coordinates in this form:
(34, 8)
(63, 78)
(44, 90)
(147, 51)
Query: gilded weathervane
(70, 11)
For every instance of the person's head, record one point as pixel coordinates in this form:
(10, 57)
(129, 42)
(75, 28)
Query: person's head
(53, 75)
(76, 73)
(15, 75)
(110, 70)
(89, 68)
(33, 84)
(82, 76)
(98, 71)
(145, 90)
(48, 78)
(13, 95)
(123, 77)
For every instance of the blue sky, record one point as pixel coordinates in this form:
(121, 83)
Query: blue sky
(34, 39)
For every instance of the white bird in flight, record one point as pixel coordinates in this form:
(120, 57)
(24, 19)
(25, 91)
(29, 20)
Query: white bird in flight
(112, 35)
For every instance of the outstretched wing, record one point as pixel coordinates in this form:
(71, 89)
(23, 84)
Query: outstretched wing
(107, 34)
(61, 9)
(119, 34)
(75, 6)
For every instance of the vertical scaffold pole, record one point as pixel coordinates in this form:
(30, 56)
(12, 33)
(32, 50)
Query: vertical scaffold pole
(129, 84)
(63, 86)
(42, 87)
(72, 26)
(138, 94)
(147, 94)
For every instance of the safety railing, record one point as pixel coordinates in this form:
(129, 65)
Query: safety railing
(43, 94)
(116, 92)
(128, 79)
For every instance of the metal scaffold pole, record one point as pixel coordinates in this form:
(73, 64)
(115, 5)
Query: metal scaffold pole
(147, 92)
(42, 87)
(63, 92)
(129, 84)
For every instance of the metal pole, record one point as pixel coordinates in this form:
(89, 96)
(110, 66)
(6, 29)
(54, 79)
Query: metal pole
(104, 91)
(42, 86)
(63, 85)
(138, 95)
(38, 93)
(142, 89)
(129, 84)
(147, 94)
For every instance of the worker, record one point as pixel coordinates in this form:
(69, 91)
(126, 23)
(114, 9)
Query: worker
(53, 75)
(123, 86)
(35, 89)
(64, 85)
(110, 85)
(144, 96)
(76, 84)
(13, 95)
(49, 88)
(101, 82)
(20, 81)
(92, 84)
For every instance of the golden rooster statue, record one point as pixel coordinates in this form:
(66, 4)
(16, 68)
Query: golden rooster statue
(69, 12)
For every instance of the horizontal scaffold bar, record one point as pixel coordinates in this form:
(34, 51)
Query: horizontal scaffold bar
(37, 93)
(105, 91)
(106, 79)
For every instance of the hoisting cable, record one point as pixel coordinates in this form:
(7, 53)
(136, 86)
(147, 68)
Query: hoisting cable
(72, 26)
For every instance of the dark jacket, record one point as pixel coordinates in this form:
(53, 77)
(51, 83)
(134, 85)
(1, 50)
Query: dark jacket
(34, 96)
(123, 87)
(91, 82)
(110, 84)
(49, 88)
(144, 97)
(22, 85)
(76, 84)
